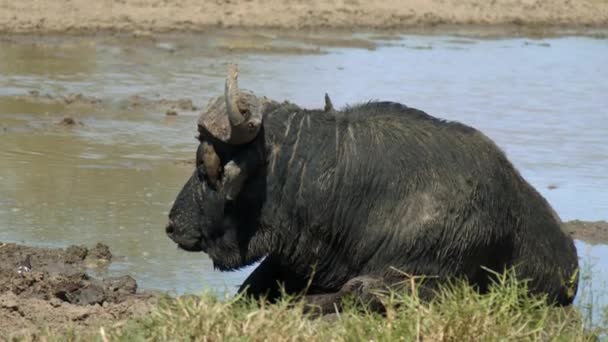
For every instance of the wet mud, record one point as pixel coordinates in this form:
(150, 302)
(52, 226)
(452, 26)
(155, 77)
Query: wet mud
(135, 101)
(69, 99)
(67, 109)
(590, 232)
(44, 287)
(170, 105)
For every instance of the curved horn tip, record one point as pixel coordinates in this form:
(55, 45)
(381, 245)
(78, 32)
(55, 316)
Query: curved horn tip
(233, 71)
(231, 95)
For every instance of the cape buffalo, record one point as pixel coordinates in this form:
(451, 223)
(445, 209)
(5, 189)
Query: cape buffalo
(333, 199)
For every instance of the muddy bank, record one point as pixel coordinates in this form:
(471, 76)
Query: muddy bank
(157, 15)
(135, 101)
(590, 232)
(67, 109)
(42, 287)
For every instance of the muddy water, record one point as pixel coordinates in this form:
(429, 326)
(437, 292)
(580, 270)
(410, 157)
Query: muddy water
(113, 175)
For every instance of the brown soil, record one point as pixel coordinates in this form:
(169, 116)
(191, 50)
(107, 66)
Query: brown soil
(590, 232)
(58, 293)
(140, 17)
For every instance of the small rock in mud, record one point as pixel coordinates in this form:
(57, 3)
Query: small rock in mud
(100, 252)
(186, 104)
(181, 104)
(76, 254)
(80, 99)
(69, 99)
(171, 113)
(117, 286)
(69, 121)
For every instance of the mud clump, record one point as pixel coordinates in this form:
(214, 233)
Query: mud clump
(75, 254)
(69, 121)
(80, 99)
(56, 290)
(100, 252)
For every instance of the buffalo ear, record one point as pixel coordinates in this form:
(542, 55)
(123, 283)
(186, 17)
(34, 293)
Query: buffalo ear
(329, 107)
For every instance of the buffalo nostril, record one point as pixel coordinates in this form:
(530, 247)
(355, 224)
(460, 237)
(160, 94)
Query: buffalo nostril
(170, 228)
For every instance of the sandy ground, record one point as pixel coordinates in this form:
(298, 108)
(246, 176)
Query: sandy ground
(42, 16)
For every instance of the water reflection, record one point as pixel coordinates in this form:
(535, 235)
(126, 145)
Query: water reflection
(114, 178)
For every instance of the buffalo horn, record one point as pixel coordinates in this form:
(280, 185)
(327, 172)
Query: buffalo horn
(232, 93)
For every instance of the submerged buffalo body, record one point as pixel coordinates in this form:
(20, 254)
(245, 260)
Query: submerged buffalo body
(330, 196)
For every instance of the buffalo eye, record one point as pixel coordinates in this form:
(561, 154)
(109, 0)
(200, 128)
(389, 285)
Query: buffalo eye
(200, 172)
(200, 167)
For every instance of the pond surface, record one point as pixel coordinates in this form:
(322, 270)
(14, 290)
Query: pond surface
(113, 178)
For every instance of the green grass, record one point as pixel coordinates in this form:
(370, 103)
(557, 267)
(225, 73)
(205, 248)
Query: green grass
(458, 313)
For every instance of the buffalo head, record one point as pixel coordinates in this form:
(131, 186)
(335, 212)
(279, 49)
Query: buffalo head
(202, 219)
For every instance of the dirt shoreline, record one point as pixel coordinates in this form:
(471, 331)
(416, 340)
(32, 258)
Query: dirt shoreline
(591, 232)
(64, 16)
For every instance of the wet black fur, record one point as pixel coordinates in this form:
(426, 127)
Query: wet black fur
(353, 192)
